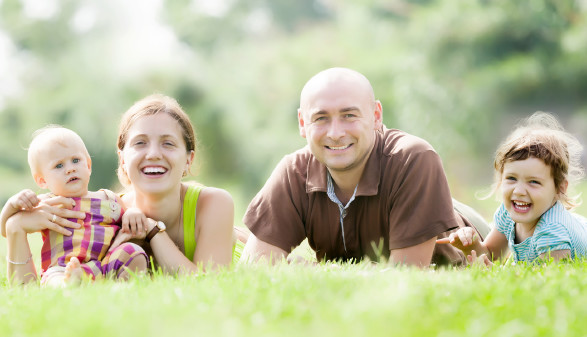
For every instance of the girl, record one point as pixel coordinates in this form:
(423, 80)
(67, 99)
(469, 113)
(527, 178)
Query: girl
(60, 162)
(533, 169)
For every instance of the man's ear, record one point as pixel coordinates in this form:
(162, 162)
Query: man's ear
(301, 123)
(378, 116)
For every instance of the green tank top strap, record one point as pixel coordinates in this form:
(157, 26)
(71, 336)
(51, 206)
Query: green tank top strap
(190, 202)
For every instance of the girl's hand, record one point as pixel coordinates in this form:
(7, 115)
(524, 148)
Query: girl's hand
(482, 260)
(462, 239)
(134, 222)
(50, 214)
(24, 200)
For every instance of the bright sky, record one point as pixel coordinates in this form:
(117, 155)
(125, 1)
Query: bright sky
(140, 42)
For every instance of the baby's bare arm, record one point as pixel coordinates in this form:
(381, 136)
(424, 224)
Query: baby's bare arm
(134, 221)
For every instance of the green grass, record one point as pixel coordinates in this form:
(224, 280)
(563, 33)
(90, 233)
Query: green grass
(326, 300)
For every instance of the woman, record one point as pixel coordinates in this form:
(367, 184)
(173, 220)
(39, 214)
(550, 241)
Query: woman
(156, 148)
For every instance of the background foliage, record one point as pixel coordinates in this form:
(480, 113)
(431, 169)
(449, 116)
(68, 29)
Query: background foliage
(458, 73)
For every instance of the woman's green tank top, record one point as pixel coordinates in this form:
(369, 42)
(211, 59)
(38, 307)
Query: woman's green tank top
(190, 202)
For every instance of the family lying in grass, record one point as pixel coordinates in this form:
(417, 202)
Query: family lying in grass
(357, 190)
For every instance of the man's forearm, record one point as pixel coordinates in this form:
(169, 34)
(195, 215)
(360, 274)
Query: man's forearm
(418, 255)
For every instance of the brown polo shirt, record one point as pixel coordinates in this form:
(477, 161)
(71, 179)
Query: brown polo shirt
(402, 200)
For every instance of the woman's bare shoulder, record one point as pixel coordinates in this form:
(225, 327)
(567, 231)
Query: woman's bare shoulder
(213, 196)
(215, 207)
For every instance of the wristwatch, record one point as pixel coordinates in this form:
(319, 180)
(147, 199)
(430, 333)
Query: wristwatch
(159, 227)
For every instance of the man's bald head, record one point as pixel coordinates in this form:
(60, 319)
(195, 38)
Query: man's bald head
(336, 77)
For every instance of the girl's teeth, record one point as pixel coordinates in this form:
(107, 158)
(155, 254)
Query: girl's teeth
(521, 205)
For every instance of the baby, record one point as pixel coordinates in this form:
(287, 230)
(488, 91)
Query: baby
(60, 162)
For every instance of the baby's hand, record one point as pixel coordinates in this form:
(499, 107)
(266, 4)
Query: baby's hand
(134, 222)
(24, 200)
(461, 239)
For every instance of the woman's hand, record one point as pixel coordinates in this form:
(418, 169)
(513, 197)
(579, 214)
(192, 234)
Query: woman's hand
(50, 214)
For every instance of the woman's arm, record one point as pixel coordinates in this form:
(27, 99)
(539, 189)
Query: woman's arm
(47, 215)
(214, 229)
(215, 222)
(21, 268)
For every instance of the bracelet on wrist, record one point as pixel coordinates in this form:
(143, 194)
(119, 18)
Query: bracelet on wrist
(19, 263)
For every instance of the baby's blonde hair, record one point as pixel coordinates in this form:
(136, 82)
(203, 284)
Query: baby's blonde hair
(541, 136)
(47, 136)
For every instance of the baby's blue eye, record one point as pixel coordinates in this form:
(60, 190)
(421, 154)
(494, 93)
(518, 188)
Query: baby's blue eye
(59, 166)
(75, 160)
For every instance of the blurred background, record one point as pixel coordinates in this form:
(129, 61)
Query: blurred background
(459, 73)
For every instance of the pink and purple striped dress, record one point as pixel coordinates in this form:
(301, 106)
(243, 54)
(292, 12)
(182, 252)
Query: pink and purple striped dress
(90, 242)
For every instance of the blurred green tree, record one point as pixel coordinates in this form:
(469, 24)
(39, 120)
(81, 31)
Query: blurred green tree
(457, 73)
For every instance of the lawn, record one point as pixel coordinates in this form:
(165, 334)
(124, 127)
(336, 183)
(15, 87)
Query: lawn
(294, 300)
(324, 300)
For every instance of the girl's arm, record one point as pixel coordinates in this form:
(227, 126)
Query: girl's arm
(215, 219)
(467, 240)
(556, 255)
(495, 245)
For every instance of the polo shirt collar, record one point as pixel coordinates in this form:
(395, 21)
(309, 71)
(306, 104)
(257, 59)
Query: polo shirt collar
(316, 181)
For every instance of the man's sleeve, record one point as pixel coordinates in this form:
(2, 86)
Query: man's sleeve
(421, 206)
(275, 214)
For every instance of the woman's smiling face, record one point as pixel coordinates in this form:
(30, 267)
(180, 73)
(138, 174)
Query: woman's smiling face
(155, 156)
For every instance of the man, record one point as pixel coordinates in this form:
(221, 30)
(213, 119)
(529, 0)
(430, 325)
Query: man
(357, 189)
